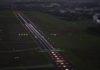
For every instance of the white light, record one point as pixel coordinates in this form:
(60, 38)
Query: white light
(59, 61)
(64, 66)
(62, 63)
(52, 52)
(66, 69)
(56, 56)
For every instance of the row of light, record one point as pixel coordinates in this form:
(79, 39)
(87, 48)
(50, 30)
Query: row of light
(59, 60)
(23, 34)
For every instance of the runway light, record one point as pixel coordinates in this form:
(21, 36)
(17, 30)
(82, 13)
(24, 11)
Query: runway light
(26, 34)
(62, 63)
(66, 69)
(64, 66)
(56, 56)
(52, 52)
(19, 34)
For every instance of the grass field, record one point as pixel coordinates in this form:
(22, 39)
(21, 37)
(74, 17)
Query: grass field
(17, 48)
(82, 48)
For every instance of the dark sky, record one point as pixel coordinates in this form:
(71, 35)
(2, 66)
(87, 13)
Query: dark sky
(77, 1)
(49, 0)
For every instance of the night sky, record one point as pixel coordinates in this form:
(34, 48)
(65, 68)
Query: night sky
(75, 1)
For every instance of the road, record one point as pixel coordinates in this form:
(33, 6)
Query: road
(57, 58)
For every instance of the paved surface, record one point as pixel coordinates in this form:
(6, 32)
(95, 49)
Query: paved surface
(57, 58)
